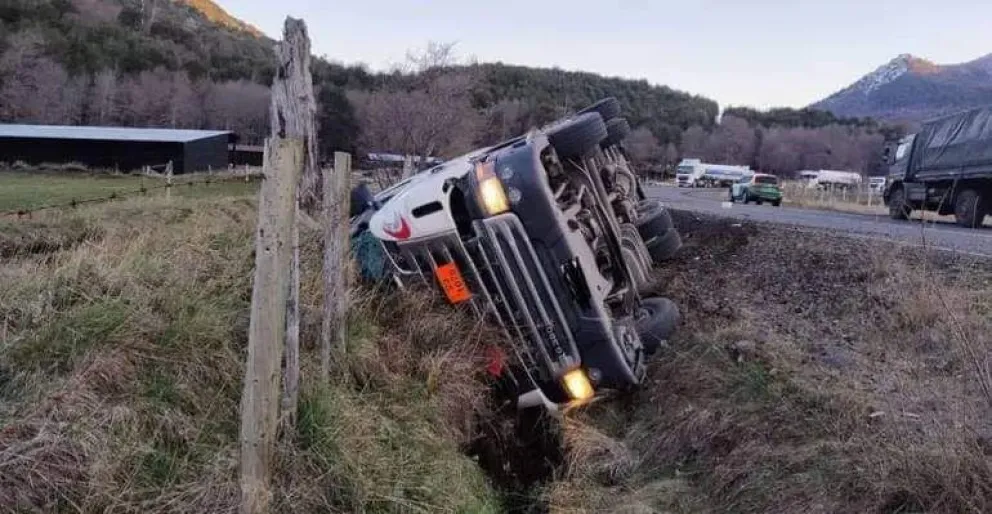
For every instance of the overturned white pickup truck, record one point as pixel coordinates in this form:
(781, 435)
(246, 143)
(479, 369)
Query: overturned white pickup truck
(551, 236)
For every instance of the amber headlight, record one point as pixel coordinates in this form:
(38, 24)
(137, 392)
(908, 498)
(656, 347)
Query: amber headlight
(492, 195)
(577, 385)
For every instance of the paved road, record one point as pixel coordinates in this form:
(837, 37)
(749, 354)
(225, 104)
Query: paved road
(941, 235)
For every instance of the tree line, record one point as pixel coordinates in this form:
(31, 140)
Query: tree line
(785, 150)
(157, 63)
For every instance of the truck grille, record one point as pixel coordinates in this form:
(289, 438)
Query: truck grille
(508, 283)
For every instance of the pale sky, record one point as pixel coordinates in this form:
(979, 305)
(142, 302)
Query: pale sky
(761, 53)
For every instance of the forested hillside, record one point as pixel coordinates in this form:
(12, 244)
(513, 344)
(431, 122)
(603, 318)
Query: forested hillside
(188, 64)
(151, 63)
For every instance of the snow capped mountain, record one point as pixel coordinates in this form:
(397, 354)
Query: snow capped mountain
(911, 88)
(883, 75)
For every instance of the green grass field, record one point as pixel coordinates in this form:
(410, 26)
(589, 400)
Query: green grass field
(26, 191)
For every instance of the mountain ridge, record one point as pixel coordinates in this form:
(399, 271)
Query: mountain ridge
(215, 13)
(910, 88)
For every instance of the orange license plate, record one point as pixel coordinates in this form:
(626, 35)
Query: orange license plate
(452, 283)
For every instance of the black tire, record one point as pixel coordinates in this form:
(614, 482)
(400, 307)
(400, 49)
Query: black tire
(745, 198)
(578, 137)
(663, 247)
(617, 130)
(655, 322)
(652, 220)
(898, 210)
(970, 208)
(607, 108)
(760, 202)
(777, 203)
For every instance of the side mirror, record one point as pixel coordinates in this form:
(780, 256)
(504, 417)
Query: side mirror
(361, 199)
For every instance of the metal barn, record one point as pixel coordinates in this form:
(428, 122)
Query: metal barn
(119, 148)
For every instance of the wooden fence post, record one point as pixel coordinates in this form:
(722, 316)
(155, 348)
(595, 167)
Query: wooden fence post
(289, 155)
(336, 246)
(267, 328)
(168, 182)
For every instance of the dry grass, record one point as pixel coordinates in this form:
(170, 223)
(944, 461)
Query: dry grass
(122, 336)
(834, 376)
(855, 202)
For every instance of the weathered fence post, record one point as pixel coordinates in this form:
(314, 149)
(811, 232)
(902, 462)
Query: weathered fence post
(267, 328)
(168, 182)
(294, 114)
(336, 207)
(289, 155)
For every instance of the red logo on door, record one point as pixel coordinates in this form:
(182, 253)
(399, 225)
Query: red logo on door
(401, 232)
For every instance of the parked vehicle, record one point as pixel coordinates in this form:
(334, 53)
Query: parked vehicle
(689, 172)
(758, 188)
(725, 175)
(549, 235)
(876, 184)
(830, 179)
(945, 167)
(695, 173)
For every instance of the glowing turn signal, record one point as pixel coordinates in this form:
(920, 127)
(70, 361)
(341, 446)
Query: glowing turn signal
(577, 385)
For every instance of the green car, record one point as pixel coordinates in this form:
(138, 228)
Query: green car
(757, 188)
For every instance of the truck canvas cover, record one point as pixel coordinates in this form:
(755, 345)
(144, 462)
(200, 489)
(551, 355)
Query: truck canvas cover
(956, 146)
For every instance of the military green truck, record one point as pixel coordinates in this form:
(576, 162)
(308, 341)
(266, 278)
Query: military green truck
(945, 167)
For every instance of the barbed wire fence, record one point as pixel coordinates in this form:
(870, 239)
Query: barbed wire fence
(169, 184)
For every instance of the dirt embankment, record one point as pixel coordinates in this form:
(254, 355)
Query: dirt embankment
(812, 374)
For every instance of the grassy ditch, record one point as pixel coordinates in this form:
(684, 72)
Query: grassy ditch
(122, 338)
(812, 374)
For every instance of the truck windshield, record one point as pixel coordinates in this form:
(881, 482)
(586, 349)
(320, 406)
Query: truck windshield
(684, 170)
(903, 150)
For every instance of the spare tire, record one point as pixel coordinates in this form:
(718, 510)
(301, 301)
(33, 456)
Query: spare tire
(579, 136)
(655, 322)
(617, 130)
(608, 108)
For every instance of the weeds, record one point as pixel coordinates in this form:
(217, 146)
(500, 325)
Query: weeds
(121, 354)
(844, 379)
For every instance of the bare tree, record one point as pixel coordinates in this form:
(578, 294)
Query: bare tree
(103, 100)
(436, 56)
(435, 117)
(732, 142)
(643, 148)
(694, 142)
(149, 11)
(670, 155)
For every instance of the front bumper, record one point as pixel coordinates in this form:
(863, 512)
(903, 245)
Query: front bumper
(508, 284)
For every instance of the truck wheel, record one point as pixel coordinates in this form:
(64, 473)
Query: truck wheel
(898, 210)
(578, 137)
(617, 130)
(970, 209)
(652, 219)
(607, 108)
(664, 246)
(655, 322)
(777, 203)
(745, 198)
